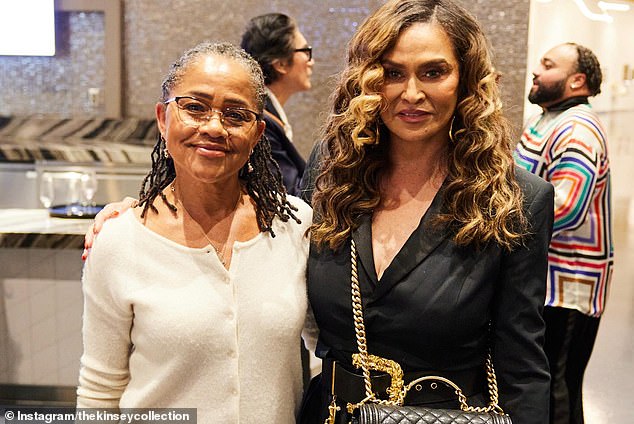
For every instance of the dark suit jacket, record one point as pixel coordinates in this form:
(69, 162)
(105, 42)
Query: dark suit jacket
(431, 309)
(283, 151)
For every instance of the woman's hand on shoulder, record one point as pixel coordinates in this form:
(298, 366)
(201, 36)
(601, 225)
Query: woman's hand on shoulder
(111, 210)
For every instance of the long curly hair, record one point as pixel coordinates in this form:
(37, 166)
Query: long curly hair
(261, 175)
(482, 200)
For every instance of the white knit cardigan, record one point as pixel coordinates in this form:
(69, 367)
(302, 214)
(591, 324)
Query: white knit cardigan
(168, 326)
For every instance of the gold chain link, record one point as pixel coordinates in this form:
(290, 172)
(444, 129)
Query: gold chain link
(359, 326)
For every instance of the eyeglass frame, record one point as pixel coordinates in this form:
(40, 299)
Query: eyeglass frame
(307, 49)
(258, 116)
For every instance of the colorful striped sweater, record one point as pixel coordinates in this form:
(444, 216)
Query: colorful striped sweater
(569, 149)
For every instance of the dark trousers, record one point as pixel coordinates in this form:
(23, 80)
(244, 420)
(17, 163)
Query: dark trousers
(570, 337)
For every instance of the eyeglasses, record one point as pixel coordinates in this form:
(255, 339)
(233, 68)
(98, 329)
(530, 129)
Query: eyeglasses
(308, 50)
(194, 113)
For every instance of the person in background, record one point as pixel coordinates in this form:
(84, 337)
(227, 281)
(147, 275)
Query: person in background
(197, 297)
(566, 145)
(416, 168)
(286, 59)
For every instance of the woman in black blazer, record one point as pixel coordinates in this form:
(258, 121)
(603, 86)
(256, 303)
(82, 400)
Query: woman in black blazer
(451, 238)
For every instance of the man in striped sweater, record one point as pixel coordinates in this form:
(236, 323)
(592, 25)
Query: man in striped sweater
(566, 145)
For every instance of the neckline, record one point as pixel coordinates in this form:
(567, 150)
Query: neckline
(220, 252)
(421, 241)
(199, 251)
(568, 103)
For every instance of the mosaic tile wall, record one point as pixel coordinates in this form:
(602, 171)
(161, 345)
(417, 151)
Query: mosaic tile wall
(58, 85)
(157, 31)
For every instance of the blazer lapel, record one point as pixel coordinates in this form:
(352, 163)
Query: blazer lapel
(275, 119)
(420, 244)
(362, 236)
(268, 106)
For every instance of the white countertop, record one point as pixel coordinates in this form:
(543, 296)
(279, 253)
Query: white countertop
(33, 228)
(38, 221)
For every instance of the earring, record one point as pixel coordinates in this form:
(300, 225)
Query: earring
(451, 140)
(249, 165)
(377, 131)
(165, 152)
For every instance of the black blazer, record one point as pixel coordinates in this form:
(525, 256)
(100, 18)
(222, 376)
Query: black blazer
(431, 309)
(283, 151)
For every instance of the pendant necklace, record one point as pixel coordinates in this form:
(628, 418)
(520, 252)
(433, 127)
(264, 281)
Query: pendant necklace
(220, 252)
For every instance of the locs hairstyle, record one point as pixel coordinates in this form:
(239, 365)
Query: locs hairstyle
(263, 183)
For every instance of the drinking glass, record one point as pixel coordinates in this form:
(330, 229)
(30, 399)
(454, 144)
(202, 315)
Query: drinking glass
(89, 187)
(47, 189)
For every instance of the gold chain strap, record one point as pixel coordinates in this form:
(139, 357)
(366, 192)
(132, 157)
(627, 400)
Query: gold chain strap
(359, 325)
(398, 390)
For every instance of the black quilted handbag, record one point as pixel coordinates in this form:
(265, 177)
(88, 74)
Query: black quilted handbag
(374, 413)
(373, 410)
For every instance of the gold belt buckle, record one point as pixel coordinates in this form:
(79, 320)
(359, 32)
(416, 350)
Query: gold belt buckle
(396, 390)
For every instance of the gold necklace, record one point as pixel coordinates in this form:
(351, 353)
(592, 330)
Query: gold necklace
(219, 252)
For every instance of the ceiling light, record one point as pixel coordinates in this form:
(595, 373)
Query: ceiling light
(591, 15)
(618, 7)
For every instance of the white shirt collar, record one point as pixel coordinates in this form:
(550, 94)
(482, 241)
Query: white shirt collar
(280, 111)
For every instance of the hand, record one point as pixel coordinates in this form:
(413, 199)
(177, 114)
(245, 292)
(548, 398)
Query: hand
(111, 210)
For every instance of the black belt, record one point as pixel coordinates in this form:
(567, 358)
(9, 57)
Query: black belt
(350, 387)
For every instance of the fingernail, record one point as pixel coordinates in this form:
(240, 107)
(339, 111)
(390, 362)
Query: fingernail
(115, 213)
(84, 255)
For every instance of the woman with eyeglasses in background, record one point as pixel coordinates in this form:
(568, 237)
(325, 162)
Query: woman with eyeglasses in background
(286, 59)
(196, 298)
